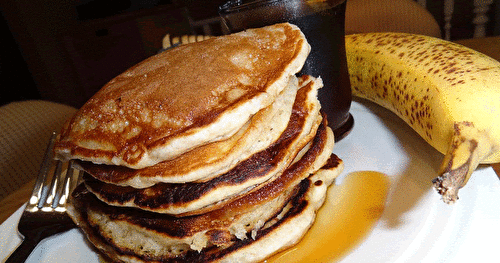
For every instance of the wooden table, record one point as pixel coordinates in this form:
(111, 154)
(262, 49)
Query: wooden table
(489, 46)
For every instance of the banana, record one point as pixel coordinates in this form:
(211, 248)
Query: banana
(449, 94)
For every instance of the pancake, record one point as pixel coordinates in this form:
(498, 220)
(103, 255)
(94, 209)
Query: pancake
(183, 98)
(195, 198)
(131, 235)
(208, 161)
(284, 231)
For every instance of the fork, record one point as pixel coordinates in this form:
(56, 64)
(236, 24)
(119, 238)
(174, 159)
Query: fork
(45, 213)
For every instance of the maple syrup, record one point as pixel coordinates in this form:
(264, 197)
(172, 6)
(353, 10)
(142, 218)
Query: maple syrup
(350, 212)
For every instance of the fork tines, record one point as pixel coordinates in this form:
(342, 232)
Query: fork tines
(51, 196)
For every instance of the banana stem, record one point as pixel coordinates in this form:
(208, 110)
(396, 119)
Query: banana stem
(468, 147)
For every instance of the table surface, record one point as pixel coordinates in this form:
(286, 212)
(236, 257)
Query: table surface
(489, 46)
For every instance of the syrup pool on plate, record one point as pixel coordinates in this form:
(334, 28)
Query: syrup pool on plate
(349, 213)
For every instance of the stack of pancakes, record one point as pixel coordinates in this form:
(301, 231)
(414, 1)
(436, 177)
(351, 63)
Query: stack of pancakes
(209, 152)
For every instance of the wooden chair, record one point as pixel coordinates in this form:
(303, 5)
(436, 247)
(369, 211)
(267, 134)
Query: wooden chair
(461, 19)
(25, 129)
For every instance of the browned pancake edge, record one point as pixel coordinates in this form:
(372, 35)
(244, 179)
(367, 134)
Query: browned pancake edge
(189, 198)
(296, 205)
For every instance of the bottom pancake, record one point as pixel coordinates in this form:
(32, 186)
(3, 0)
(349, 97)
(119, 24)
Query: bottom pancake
(279, 232)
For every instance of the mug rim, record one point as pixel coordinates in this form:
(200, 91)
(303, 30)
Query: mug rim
(239, 5)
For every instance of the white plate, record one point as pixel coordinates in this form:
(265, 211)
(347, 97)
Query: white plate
(416, 225)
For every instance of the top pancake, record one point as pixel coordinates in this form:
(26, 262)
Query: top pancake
(183, 98)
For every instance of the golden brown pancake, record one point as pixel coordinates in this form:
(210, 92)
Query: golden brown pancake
(185, 97)
(208, 161)
(125, 232)
(196, 198)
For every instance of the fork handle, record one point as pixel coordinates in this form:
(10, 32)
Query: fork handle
(30, 242)
(23, 251)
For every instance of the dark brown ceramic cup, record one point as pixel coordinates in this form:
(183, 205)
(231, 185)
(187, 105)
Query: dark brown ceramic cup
(322, 22)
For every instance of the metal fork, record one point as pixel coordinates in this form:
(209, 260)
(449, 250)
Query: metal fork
(45, 213)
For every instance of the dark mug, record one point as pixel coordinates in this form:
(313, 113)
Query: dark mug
(323, 24)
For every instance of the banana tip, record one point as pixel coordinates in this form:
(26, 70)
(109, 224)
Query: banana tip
(449, 195)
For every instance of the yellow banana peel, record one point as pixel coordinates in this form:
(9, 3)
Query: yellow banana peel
(449, 94)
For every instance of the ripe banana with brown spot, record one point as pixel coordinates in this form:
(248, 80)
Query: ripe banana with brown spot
(449, 94)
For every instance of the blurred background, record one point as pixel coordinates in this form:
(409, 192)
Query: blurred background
(64, 51)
